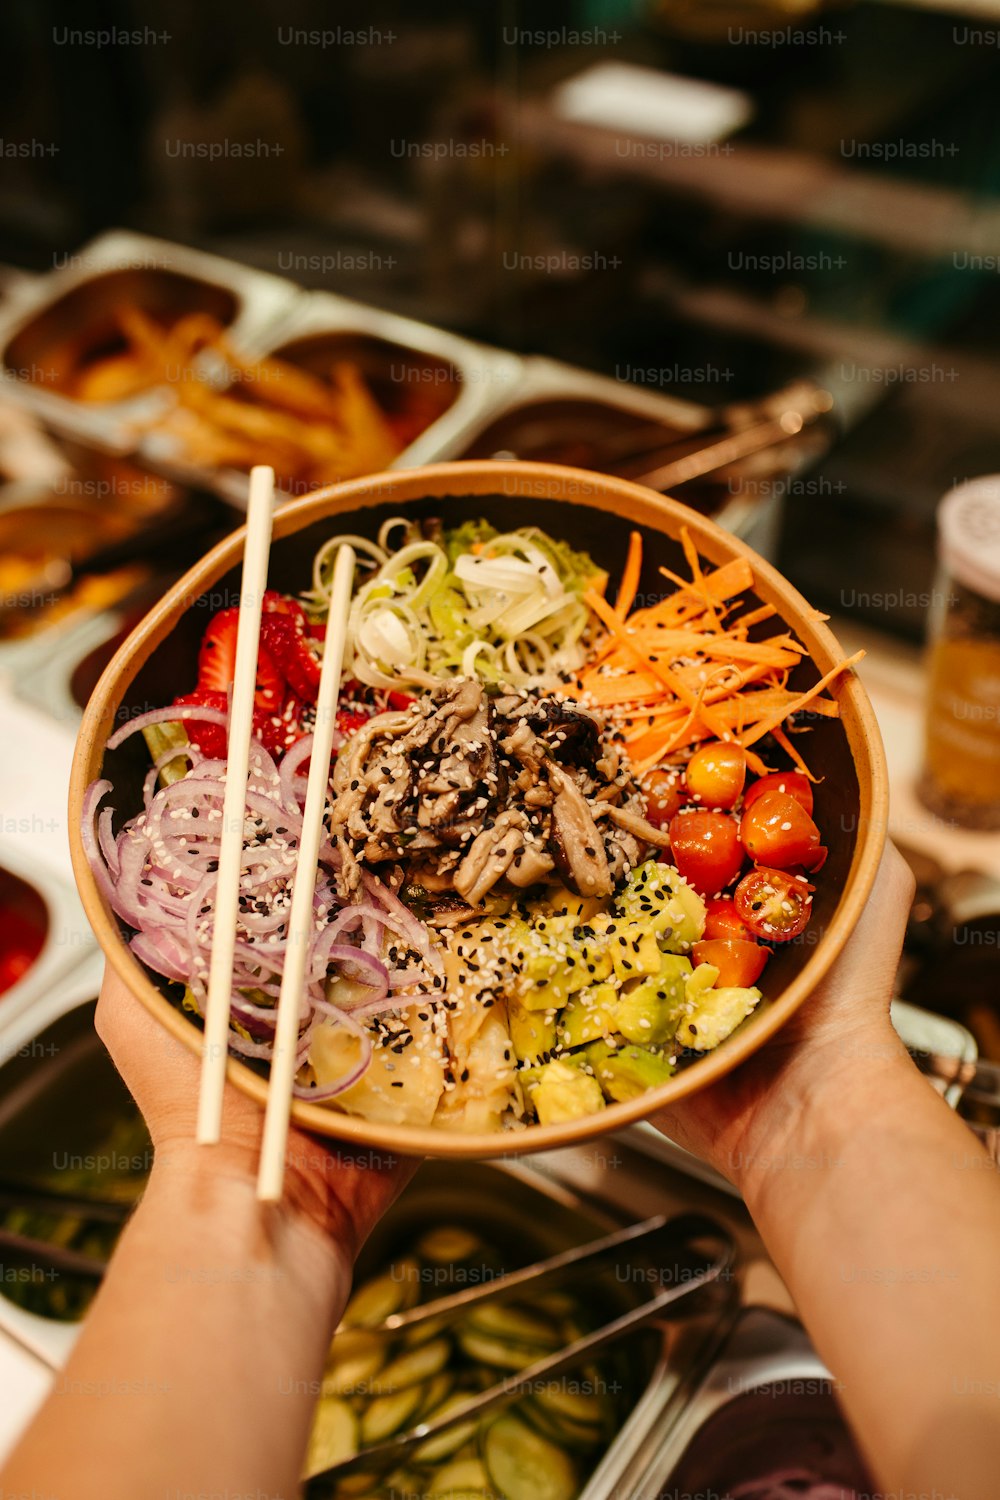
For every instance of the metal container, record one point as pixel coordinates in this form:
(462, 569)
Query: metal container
(462, 381)
(67, 316)
(50, 1058)
(68, 939)
(522, 1213)
(766, 1403)
(547, 385)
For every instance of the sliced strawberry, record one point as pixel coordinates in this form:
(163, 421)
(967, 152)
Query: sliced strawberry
(270, 692)
(282, 604)
(210, 738)
(350, 720)
(290, 651)
(217, 657)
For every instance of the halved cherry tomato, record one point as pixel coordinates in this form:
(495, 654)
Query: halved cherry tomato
(722, 920)
(777, 831)
(715, 774)
(739, 962)
(792, 782)
(775, 906)
(706, 849)
(665, 795)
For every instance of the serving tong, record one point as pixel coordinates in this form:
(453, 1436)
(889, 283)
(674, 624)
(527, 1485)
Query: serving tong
(50, 1201)
(706, 1247)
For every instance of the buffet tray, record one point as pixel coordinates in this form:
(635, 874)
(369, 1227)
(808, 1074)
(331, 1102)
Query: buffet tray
(272, 316)
(767, 1389)
(70, 303)
(522, 1213)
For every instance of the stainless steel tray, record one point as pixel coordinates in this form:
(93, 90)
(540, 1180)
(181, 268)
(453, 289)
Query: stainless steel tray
(62, 303)
(754, 520)
(24, 1038)
(69, 943)
(767, 1376)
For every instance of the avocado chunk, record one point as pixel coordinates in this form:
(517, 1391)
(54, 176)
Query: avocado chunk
(648, 1012)
(658, 899)
(627, 1072)
(634, 950)
(715, 1016)
(563, 1092)
(532, 1032)
(589, 1015)
(554, 957)
(700, 981)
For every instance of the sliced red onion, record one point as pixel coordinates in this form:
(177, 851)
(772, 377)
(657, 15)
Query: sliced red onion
(404, 922)
(289, 769)
(106, 839)
(176, 712)
(320, 1093)
(372, 975)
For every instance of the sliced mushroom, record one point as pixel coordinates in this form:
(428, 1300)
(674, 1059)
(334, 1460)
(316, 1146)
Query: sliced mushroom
(490, 856)
(635, 823)
(575, 844)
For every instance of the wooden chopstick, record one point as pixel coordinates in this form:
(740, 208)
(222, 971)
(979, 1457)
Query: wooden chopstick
(256, 549)
(300, 920)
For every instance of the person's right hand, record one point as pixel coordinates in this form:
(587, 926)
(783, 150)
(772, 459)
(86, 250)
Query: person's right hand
(756, 1114)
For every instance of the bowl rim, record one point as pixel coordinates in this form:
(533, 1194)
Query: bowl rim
(634, 504)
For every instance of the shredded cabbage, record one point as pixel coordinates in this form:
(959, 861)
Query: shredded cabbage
(503, 607)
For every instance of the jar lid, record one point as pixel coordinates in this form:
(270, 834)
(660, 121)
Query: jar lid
(969, 535)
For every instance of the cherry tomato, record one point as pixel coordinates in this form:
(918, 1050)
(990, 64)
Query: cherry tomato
(722, 920)
(792, 782)
(777, 831)
(775, 906)
(739, 962)
(706, 849)
(716, 773)
(664, 792)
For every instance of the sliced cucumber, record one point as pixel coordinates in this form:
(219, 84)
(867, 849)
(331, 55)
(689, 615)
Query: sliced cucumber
(563, 1433)
(365, 1486)
(585, 1408)
(387, 1414)
(437, 1391)
(406, 1484)
(445, 1444)
(554, 1304)
(413, 1367)
(448, 1245)
(420, 1333)
(355, 1356)
(465, 1495)
(515, 1324)
(499, 1353)
(523, 1465)
(376, 1300)
(333, 1438)
(461, 1474)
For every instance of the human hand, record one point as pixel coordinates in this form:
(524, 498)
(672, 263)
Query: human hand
(757, 1112)
(342, 1192)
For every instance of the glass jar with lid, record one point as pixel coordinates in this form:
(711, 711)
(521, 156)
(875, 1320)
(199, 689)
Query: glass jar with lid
(961, 775)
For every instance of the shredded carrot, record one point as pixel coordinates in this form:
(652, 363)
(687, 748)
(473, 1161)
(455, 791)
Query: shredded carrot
(685, 670)
(630, 577)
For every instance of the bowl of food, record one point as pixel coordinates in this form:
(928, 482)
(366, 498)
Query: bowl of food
(607, 801)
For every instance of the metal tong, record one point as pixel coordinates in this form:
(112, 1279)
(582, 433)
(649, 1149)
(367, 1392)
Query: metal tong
(687, 1231)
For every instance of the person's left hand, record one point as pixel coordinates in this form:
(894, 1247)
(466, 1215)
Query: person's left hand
(342, 1191)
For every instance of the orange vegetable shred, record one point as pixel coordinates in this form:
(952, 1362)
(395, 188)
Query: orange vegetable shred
(685, 669)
